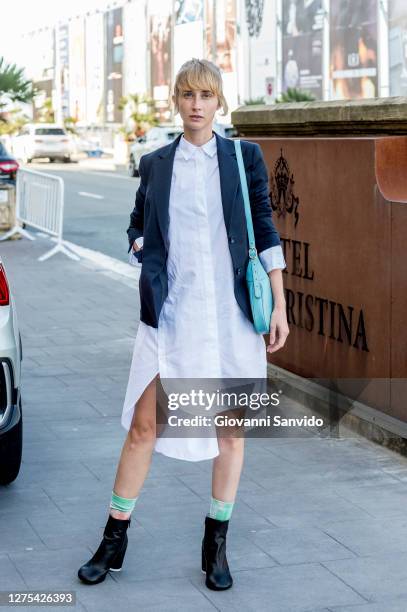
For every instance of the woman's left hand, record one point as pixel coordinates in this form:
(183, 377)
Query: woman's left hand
(279, 329)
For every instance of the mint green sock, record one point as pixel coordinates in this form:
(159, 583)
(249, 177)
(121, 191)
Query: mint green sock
(123, 504)
(220, 510)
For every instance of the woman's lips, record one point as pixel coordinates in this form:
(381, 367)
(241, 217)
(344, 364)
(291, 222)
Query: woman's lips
(196, 117)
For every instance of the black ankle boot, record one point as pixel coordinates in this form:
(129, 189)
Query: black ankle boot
(109, 555)
(214, 562)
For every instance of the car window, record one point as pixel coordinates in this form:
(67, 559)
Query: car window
(2, 150)
(49, 132)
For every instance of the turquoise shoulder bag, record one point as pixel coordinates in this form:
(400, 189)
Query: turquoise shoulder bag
(257, 279)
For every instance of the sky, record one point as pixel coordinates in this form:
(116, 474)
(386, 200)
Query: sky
(22, 16)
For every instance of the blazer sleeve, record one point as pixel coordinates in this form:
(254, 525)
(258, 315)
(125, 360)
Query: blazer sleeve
(265, 233)
(136, 227)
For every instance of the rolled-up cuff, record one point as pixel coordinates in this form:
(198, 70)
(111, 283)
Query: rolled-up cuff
(133, 261)
(138, 241)
(273, 258)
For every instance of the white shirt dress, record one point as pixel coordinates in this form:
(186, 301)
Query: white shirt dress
(202, 332)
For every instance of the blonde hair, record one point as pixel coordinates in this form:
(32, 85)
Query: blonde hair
(200, 74)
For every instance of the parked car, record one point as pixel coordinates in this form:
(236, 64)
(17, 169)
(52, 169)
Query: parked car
(155, 137)
(43, 140)
(8, 165)
(11, 354)
(161, 135)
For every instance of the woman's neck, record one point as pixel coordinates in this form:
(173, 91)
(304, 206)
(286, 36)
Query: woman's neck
(198, 138)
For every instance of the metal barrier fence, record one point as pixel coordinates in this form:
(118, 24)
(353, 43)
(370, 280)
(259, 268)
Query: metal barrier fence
(40, 204)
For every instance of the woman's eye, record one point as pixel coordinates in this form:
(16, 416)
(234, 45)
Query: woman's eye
(207, 94)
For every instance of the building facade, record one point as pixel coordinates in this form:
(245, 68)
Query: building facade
(332, 49)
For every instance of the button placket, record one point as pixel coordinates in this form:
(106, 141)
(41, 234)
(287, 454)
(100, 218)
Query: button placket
(206, 263)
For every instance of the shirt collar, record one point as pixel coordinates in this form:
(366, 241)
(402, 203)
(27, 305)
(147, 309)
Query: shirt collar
(188, 149)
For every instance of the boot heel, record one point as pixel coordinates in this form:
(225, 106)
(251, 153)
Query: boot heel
(118, 562)
(203, 561)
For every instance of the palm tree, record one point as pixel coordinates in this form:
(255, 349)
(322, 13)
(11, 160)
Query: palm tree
(295, 95)
(253, 101)
(13, 85)
(141, 114)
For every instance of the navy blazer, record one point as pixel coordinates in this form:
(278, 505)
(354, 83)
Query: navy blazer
(150, 219)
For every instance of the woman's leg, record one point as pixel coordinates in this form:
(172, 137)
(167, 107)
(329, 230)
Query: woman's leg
(137, 449)
(227, 466)
(226, 470)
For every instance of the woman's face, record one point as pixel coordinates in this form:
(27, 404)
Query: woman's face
(197, 108)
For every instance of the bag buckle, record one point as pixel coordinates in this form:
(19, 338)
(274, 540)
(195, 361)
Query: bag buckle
(253, 253)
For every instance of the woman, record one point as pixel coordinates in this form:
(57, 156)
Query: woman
(188, 228)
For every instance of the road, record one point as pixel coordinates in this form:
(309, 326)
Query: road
(98, 203)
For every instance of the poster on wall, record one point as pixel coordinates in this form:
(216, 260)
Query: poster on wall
(221, 47)
(353, 52)
(77, 91)
(188, 33)
(220, 34)
(62, 32)
(113, 65)
(94, 68)
(302, 45)
(160, 60)
(398, 47)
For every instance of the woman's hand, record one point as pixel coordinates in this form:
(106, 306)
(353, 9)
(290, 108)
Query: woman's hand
(136, 247)
(278, 329)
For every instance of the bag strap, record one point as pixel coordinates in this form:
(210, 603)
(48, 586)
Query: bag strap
(243, 183)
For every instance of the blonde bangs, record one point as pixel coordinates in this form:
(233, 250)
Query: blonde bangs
(203, 75)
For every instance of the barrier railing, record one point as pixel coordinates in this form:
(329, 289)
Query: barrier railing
(40, 204)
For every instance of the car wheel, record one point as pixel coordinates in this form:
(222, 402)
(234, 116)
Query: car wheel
(67, 160)
(11, 447)
(133, 171)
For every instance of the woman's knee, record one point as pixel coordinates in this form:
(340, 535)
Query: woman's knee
(231, 444)
(142, 433)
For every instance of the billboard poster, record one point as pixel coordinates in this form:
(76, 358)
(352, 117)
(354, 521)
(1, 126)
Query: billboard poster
(62, 32)
(94, 68)
(160, 58)
(77, 92)
(398, 47)
(135, 44)
(221, 47)
(220, 34)
(302, 25)
(114, 44)
(188, 31)
(353, 51)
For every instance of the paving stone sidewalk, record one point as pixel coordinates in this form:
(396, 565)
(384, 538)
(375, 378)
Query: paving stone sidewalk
(317, 525)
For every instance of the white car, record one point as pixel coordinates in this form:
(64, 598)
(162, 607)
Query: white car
(11, 420)
(161, 135)
(156, 137)
(43, 140)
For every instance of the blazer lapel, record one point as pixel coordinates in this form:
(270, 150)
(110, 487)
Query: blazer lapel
(228, 174)
(162, 185)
